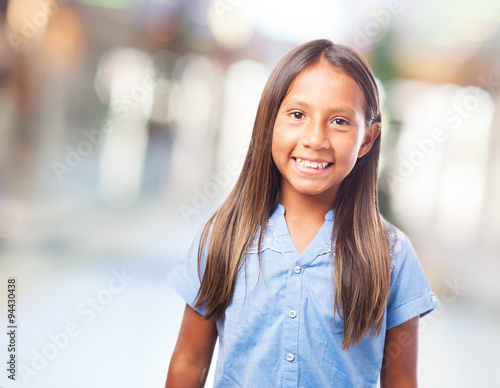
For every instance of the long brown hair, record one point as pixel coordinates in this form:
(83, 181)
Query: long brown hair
(362, 254)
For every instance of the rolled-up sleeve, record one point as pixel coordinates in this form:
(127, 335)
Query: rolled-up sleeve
(184, 278)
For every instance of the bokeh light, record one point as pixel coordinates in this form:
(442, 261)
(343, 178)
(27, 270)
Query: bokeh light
(125, 124)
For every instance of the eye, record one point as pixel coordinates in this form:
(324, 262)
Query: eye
(297, 115)
(341, 122)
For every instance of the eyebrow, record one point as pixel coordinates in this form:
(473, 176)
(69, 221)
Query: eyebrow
(339, 109)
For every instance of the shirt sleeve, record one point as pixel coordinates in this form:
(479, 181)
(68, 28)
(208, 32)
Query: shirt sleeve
(184, 277)
(410, 294)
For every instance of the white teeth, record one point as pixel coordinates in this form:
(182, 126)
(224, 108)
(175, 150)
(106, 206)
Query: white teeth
(309, 164)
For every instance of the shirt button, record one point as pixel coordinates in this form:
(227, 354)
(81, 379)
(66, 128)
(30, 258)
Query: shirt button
(292, 314)
(289, 357)
(434, 298)
(297, 269)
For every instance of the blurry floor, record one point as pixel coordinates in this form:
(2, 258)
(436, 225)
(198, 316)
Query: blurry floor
(111, 319)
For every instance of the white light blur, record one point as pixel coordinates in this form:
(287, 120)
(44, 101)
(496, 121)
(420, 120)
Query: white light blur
(243, 85)
(477, 24)
(194, 101)
(381, 91)
(409, 104)
(298, 21)
(165, 61)
(124, 76)
(445, 181)
(460, 202)
(463, 185)
(231, 26)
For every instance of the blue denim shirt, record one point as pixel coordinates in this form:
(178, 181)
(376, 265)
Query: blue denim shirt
(279, 329)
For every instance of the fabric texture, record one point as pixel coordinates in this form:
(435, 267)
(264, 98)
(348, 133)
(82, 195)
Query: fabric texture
(279, 329)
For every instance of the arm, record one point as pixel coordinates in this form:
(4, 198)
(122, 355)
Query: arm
(399, 366)
(193, 352)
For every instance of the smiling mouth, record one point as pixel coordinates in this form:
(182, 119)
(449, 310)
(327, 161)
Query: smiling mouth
(316, 165)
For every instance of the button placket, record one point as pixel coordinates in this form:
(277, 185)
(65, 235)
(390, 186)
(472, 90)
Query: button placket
(291, 324)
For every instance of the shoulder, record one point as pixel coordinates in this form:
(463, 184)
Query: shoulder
(272, 235)
(269, 240)
(396, 238)
(400, 246)
(198, 247)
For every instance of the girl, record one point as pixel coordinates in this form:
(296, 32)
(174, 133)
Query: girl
(341, 289)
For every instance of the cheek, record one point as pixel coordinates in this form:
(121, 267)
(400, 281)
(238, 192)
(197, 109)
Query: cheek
(274, 150)
(279, 144)
(348, 149)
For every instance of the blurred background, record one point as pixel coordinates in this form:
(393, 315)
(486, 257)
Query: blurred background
(124, 124)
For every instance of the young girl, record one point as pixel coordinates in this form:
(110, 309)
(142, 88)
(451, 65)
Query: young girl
(297, 274)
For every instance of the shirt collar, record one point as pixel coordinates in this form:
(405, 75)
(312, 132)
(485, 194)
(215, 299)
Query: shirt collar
(277, 238)
(281, 211)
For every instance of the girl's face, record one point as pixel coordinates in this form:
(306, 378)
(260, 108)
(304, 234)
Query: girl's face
(320, 132)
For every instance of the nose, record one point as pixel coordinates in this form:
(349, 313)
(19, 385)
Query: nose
(315, 136)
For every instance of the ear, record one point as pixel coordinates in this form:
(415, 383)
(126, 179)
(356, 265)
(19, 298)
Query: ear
(371, 134)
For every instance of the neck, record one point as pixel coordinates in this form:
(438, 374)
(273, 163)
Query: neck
(306, 206)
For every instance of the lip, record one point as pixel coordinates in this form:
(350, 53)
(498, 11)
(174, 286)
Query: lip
(311, 170)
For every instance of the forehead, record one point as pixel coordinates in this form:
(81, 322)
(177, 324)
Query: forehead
(324, 83)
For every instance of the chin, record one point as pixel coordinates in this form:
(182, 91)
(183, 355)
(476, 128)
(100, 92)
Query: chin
(311, 191)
